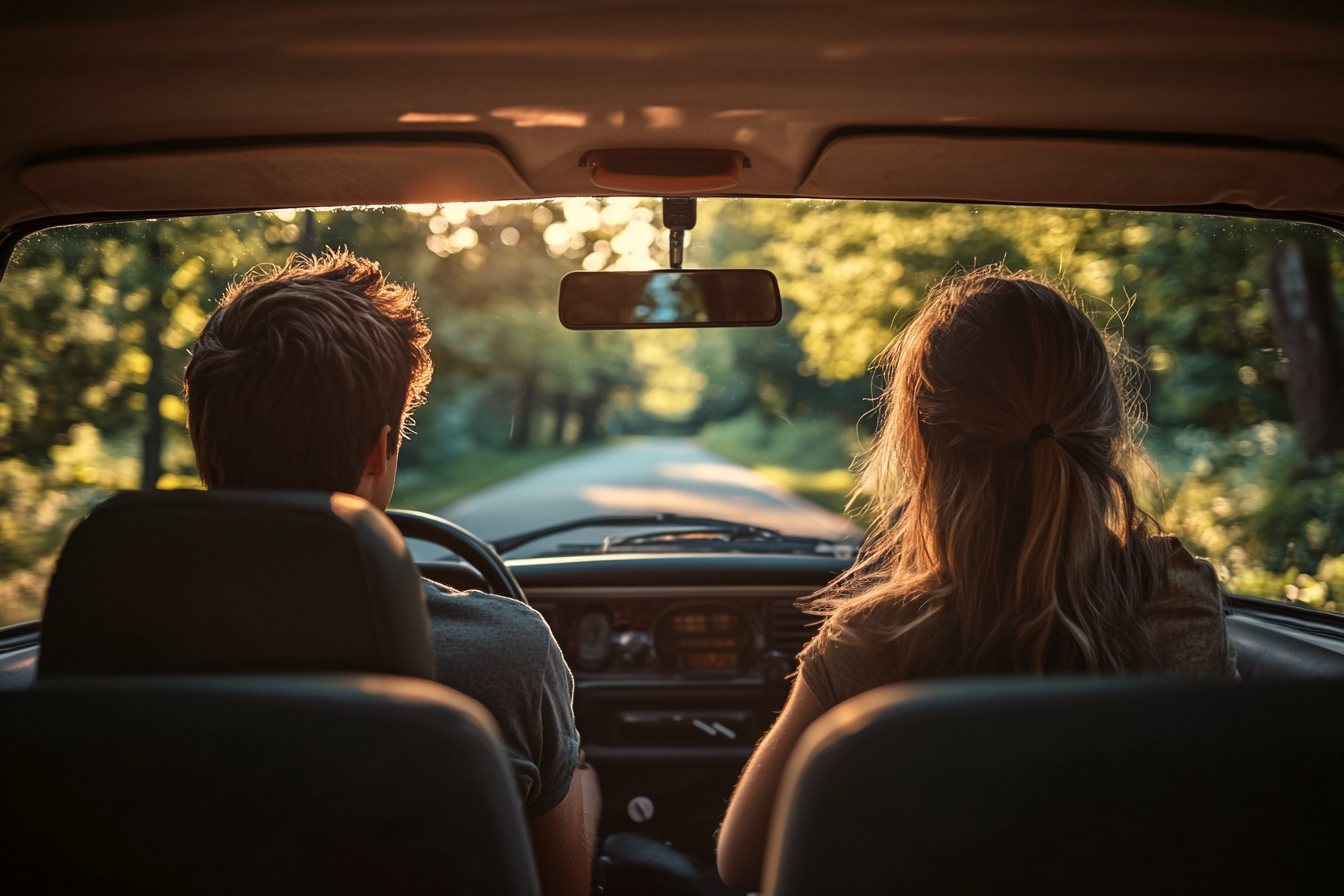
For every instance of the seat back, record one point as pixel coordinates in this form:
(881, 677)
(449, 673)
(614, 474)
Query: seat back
(1064, 786)
(1271, 651)
(324, 784)
(192, 582)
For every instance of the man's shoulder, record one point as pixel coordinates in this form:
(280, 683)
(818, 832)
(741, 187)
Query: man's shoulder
(500, 652)
(491, 621)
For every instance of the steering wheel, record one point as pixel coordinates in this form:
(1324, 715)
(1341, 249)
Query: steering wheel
(476, 551)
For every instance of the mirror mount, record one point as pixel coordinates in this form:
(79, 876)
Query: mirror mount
(675, 297)
(678, 217)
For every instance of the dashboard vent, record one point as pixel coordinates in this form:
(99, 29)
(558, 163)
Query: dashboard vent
(790, 627)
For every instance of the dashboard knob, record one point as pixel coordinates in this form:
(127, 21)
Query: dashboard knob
(776, 666)
(633, 646)
(640, 809)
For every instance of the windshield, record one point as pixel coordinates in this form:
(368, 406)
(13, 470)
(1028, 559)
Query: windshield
(530, 425)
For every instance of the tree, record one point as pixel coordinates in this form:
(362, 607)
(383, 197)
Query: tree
(1304, 316)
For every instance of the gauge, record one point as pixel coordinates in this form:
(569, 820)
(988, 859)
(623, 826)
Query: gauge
(594, 639)
(704, 638)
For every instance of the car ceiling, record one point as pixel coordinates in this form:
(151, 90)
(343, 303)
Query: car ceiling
(161, 106)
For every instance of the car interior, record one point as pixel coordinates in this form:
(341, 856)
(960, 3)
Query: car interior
(226, 690)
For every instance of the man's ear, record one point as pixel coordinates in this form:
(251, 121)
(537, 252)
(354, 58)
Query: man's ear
(375, 464)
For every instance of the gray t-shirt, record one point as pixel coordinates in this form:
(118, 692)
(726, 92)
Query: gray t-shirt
(501, 653)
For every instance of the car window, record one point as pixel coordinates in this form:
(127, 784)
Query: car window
(1230, 322)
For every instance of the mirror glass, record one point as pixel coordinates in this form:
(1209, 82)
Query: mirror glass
(619, 300)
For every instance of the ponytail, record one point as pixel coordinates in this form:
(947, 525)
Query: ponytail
(1007, 537)
(1037, 591)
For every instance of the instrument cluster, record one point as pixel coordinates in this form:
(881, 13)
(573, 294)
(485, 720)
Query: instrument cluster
(683, 638)
(704, 638)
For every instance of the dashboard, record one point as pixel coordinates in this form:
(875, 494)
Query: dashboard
(681, 662)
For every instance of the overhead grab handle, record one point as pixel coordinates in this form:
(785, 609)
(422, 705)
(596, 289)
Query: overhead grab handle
(665, 171)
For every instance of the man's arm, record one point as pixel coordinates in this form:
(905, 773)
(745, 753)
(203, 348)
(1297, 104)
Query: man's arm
(562, 847)
(592, 797)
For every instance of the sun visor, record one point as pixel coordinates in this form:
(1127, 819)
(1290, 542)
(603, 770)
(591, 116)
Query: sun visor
(275, 176)
(1066, 172)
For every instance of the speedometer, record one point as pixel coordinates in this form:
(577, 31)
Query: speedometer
(594, 639)
(704, 638)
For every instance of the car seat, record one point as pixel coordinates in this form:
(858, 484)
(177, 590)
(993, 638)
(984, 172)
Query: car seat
(267, 784)
(181, 736)
(1065, 785)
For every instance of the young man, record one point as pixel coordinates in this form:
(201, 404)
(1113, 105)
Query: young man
(302, 379)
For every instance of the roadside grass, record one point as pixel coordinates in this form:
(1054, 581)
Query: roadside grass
(829, 488)
(809, 456)
(430, 489)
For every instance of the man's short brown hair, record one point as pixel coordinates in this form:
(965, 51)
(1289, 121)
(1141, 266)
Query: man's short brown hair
(298, 370)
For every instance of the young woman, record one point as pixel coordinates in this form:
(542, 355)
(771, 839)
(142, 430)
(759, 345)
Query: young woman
(1007, 539)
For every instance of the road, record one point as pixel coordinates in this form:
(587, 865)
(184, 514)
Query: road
(646, 475)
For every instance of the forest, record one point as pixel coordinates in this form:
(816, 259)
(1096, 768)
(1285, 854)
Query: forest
(1244, 413)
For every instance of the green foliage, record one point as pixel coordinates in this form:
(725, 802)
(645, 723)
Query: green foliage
(72, 340)
(95, 323)
(38, 504)
(808, 443)
(809, 456)
(1270, 518)
(497, 343)
(1187, 292)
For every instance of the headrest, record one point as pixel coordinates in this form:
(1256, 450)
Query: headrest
(190, 582)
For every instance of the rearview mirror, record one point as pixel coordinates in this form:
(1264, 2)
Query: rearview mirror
(630, 300)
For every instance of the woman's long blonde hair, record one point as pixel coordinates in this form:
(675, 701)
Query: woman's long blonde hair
(1006, 534)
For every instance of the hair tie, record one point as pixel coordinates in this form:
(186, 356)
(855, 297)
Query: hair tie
(1042, 431)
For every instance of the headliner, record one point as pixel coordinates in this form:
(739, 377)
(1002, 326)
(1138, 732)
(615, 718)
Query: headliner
(537, 84)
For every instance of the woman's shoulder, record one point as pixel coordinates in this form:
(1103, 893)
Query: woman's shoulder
(1187, 578)
(847, 658)
(1186, 616)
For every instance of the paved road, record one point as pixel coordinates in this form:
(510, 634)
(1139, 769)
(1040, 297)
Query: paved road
(648, 475)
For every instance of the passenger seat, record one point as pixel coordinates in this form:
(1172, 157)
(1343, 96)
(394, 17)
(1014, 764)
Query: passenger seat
(1066, 785)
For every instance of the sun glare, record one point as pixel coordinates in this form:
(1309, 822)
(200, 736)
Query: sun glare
(541, 117)
(437, 118)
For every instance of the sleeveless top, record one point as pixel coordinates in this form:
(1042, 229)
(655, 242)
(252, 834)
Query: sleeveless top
(1185, 614)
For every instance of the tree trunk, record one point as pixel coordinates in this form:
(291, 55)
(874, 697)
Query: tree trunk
(1304, 315)
(312, 243)
(559, 407)
(589, 407)
(155, 319)
(520, 435)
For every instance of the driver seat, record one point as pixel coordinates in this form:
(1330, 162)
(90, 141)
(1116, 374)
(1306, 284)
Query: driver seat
(182, 736)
